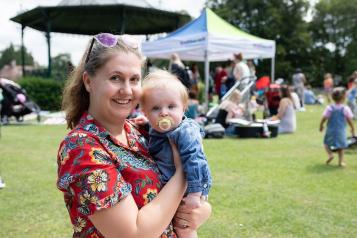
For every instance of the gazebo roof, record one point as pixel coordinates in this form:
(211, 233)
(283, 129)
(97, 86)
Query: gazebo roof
(88, 17)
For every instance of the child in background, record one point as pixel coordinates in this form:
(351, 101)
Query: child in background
(164, 101)
(351, 98)
(336, 116)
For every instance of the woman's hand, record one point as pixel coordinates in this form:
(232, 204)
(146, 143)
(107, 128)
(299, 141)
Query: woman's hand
(186, 217)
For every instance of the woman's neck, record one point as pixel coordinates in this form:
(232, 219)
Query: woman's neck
(115, 128)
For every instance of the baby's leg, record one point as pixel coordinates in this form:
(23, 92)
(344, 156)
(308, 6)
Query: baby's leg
(186, 233)
(193, 200)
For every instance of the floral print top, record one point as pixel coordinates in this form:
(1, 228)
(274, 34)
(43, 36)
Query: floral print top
(96, 171)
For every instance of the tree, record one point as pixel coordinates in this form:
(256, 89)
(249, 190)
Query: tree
(61, 66)
(334, 31)
(10, 53)
(279, 20)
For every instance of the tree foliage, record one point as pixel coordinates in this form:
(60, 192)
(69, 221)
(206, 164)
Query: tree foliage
(334, 31)
(10, 53)
(279, 20)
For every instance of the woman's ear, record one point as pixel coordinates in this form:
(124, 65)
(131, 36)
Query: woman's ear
(86, 81)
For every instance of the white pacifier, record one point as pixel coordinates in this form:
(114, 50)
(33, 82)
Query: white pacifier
(165, 123)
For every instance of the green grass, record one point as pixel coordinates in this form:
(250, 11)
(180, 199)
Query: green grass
(276, 187)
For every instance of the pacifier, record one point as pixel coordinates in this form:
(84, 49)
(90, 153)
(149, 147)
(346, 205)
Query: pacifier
(165, 123)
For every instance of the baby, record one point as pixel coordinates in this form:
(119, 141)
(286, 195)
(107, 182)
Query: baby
(164, 101)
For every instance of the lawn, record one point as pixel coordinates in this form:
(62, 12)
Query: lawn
(276, 187)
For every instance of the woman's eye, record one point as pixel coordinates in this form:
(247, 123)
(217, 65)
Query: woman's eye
(135, 80)
(115, 78)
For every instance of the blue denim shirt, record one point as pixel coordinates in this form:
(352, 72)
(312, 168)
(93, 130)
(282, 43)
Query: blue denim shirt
(188, 138)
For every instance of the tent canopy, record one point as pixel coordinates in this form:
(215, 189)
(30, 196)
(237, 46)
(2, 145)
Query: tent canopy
(212, 35)
(92, 17)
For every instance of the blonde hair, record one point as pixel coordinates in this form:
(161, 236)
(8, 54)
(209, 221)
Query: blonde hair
(163, 80)
(232, 101)
(75, 99)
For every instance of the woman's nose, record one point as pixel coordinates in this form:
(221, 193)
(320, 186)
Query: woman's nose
(125, 87)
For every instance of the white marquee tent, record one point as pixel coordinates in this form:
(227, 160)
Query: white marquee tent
(209, 38)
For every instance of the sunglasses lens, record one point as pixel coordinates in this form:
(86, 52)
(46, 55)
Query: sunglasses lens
(106, 39)
(130, 41)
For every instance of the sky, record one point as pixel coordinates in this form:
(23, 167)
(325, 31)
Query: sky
(35, 41)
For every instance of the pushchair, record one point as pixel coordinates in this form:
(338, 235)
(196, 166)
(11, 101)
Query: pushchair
(16, 102)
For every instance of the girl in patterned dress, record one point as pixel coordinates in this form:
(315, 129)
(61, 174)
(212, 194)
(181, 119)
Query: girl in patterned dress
(336, 116)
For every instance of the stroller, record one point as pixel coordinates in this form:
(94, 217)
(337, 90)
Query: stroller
(16, 103)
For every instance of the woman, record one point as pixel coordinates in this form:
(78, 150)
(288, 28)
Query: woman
(230, 109)
(286, 112)
(110, 183)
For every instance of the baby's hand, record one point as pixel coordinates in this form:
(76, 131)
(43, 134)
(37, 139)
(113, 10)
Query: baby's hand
(193, 200)
(140, 120)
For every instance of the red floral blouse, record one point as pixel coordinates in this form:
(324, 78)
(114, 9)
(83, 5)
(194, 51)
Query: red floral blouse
(96, 171)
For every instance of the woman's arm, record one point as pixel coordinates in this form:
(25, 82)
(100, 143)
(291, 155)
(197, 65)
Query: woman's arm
(126, 220)
(282, 107)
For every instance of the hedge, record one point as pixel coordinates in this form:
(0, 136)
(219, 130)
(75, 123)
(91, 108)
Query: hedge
(47, 93)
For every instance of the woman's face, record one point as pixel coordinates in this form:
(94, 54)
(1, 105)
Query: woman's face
(115, 89)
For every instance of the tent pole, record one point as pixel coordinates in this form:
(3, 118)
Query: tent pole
(206, 81)
(22, 50)
(48, 37)
(272, 69)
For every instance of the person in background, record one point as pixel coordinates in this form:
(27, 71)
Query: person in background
(229, 109)
(295, 98)
(336, 115)
(218, 80)
(251, 67)
(195, 78)
(328, 86)
(286, 112)
(179, 69)
(241, 69)
(272, 99)
(164, 101)
(193, 106)
(352, 97)
(309, 96)
(299, 81)
(109, 181)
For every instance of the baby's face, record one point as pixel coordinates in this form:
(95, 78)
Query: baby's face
(163, 108)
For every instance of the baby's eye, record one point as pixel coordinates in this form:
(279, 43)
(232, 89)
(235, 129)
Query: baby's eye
(155, 108)
(172, 106)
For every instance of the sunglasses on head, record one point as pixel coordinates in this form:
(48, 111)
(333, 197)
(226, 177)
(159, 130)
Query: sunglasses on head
(110, 40)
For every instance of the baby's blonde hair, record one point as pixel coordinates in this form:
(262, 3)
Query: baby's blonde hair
(163, 80)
